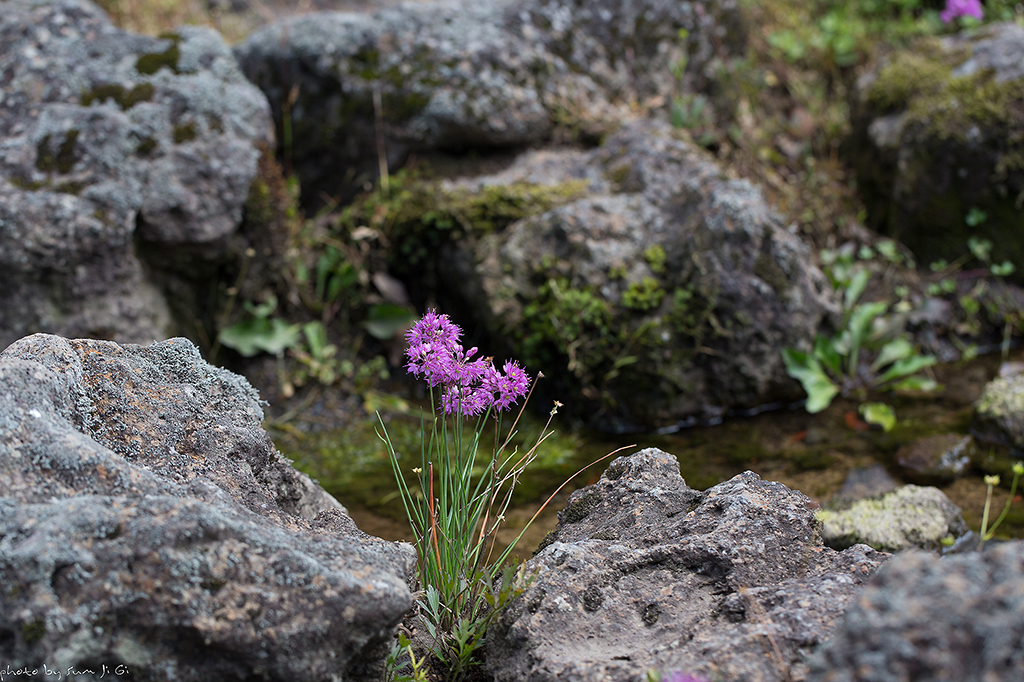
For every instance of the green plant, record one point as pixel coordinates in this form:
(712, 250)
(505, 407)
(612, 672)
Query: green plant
(402, 664)
(839, 364)
(454, 507)
(455, 503)
(987, 533)
(260, 333)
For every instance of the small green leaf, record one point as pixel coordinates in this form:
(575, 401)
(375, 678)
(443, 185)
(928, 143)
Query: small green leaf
(386, 320)
(858, 283)
(879, 413)
(859, 327)
(897, 349)
(976, 217)
(980, 248)
(889, 250)
(906, 367)
(1004, 270)
(916, 383)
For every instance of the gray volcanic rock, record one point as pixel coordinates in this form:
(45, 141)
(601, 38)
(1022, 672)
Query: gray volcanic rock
(937, 132)
(999, 413)
(458, 74)
(111, 145)
(666, 290)
(937, 459)
(146, 520)
(921, 617)
(645, 573)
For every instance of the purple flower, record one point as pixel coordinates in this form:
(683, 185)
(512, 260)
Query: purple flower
(506, 388)
(469, 386)
(961, 8)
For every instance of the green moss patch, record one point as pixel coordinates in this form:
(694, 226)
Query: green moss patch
(126, 99)
(152, 62)
(185, 132)
(62, 159)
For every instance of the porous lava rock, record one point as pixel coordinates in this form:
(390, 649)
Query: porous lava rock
(472, 74)
(935, 460)
(121, 155)
(924, 617)
(147, 521)
(645, 573)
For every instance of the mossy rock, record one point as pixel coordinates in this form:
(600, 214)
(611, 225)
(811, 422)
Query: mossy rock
(908, 517)
(939, 133)
(999, 414)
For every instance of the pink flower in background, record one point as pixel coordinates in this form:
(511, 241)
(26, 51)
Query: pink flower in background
(961, 8)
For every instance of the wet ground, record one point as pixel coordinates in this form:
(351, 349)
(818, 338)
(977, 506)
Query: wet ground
(811, 453)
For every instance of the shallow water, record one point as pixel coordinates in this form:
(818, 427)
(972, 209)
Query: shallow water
(810, 453)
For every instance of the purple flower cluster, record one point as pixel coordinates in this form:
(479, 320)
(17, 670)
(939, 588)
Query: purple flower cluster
(961, 8)
(468, 385)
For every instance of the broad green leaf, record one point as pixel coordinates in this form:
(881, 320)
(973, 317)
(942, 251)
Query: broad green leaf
(316, 336)
(825, 351)
(897, 349)
(916, 383)
(386, 320)
(260, 334)
(879, 413)
(820, 392)
(807, 370)
(858, 283)
(798, 363)
(906, 367)
(859, 326)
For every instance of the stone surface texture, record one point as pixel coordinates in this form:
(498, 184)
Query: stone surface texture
(673, 287)
(909, 517)
(921, 617)
(113, 145)
(938, 459)
(458, 74)
(146, 520)
(644, 573)
(999, 413)
(937, 131)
